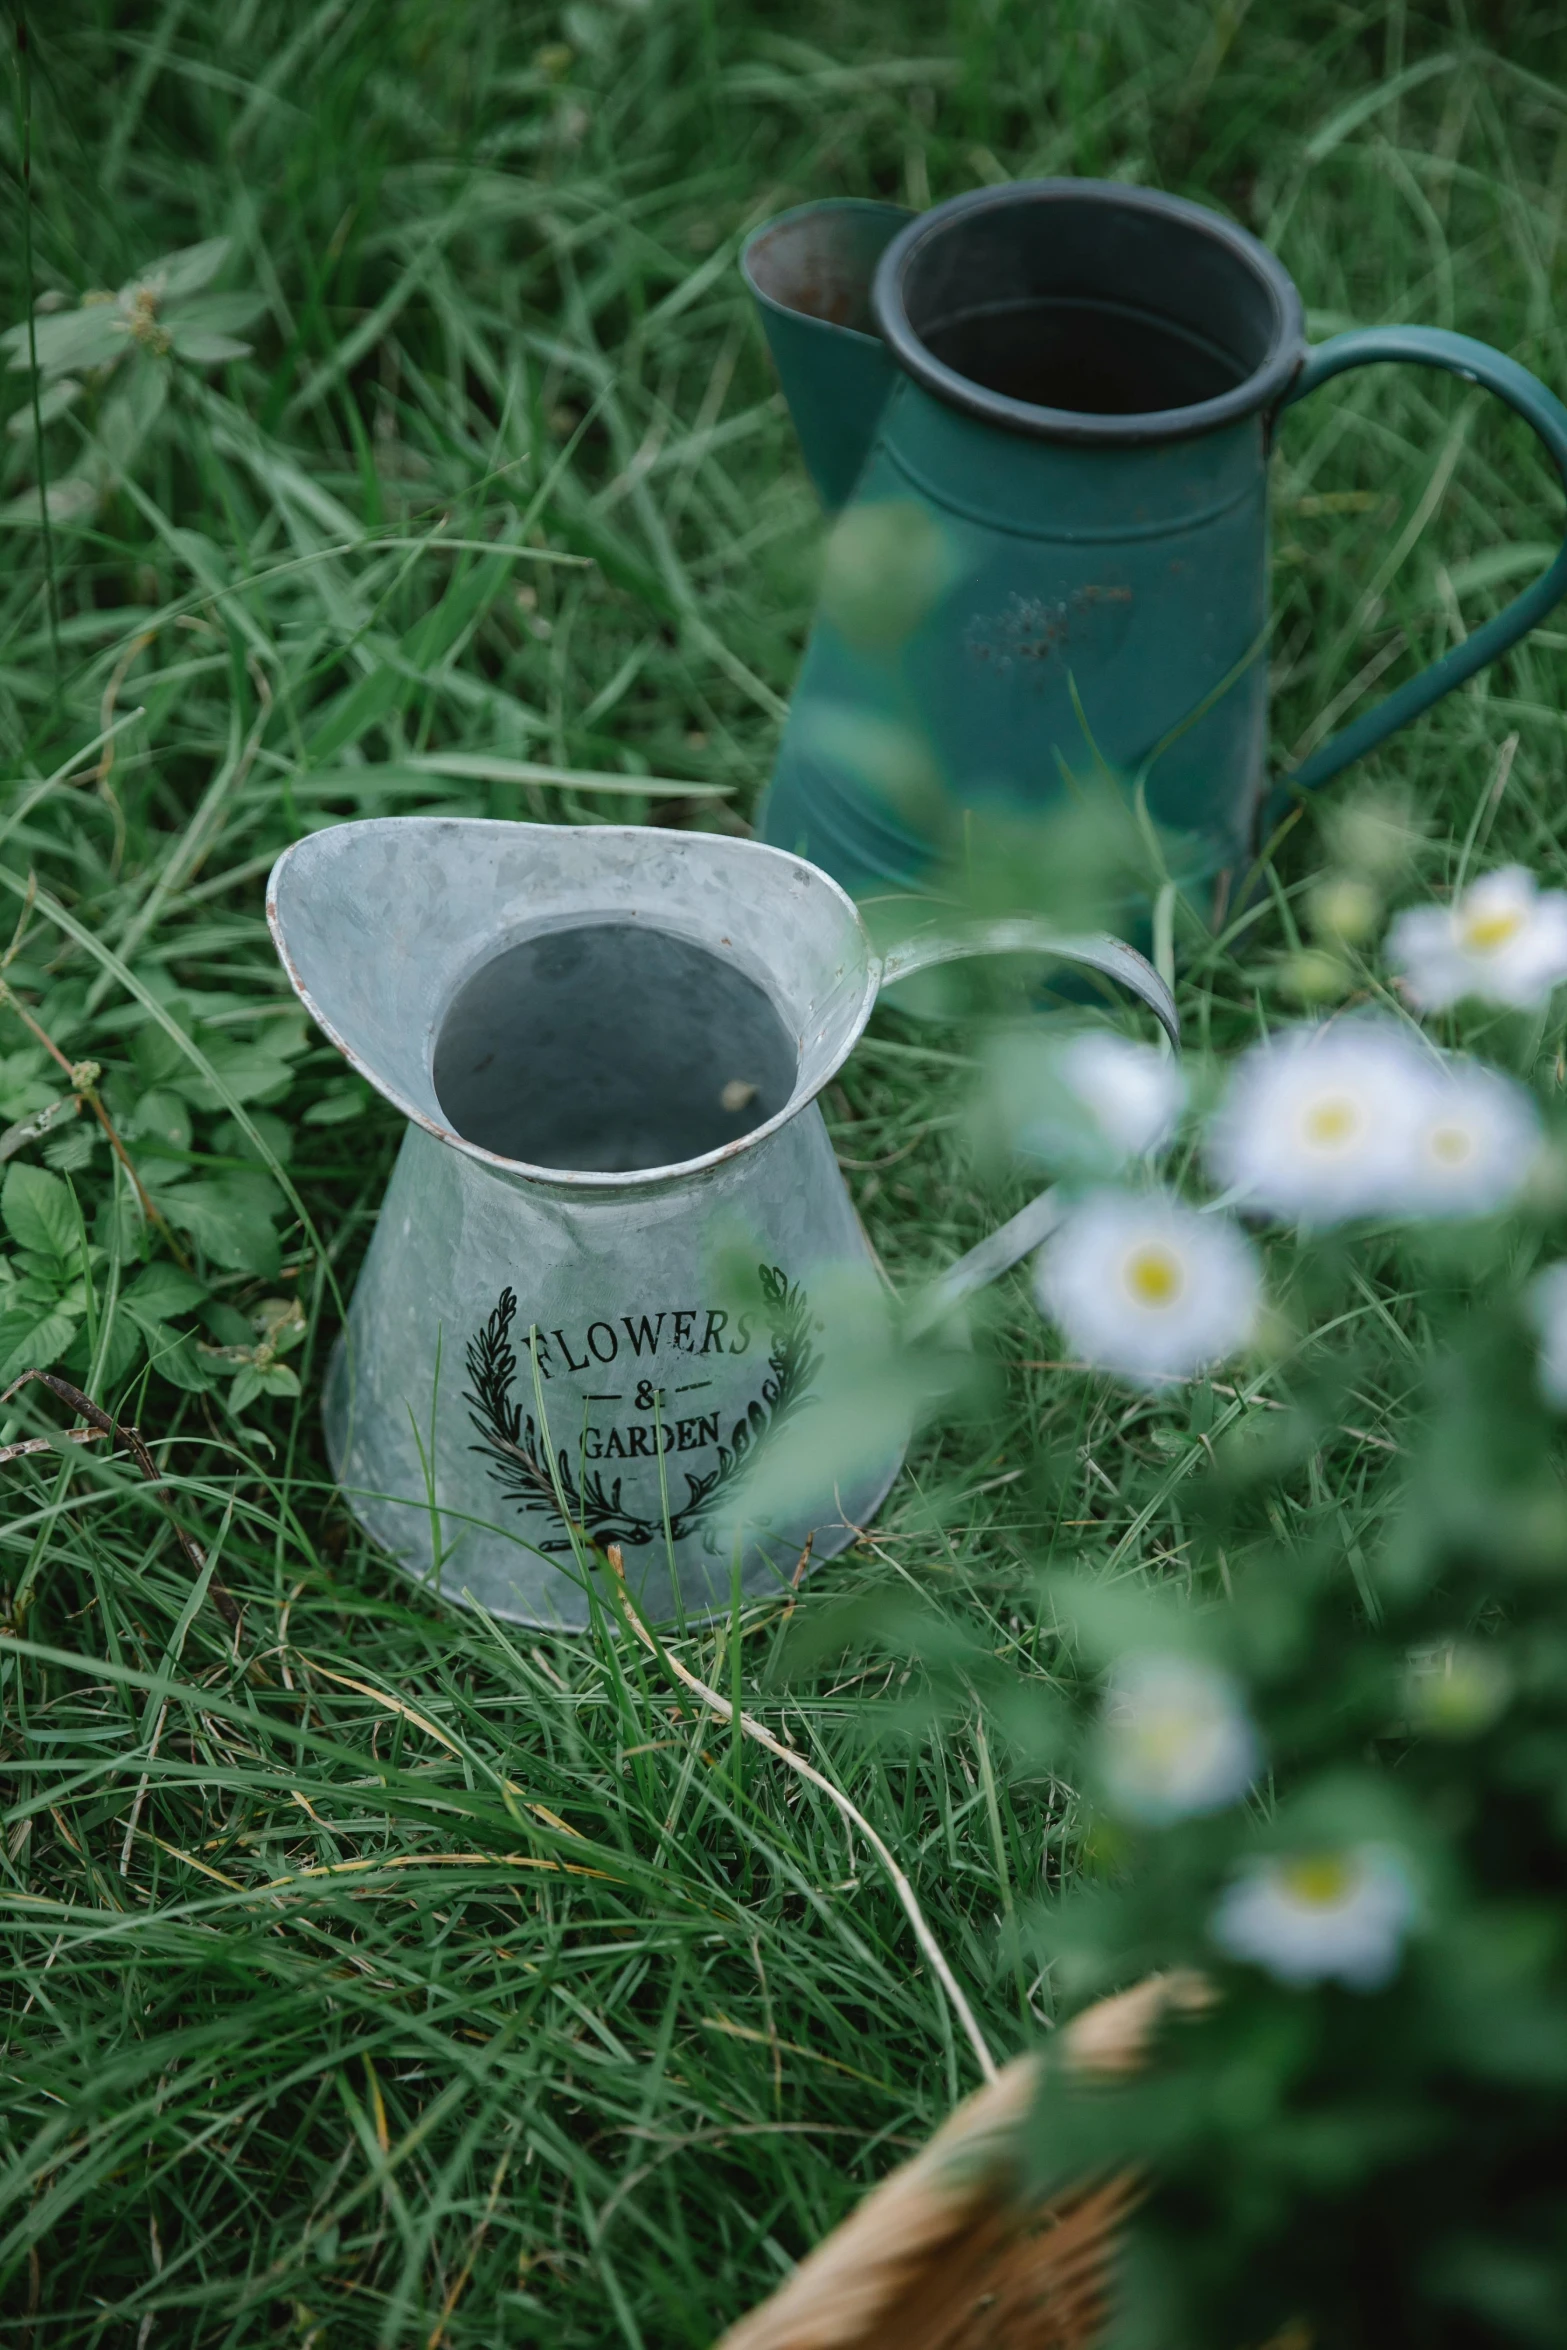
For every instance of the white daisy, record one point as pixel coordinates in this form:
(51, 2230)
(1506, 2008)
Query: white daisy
(1133, 1092)
(1318, 1121)
(1546, 1300)
(1473, 1143)
(1099, 1100)
(1175, 1739)
(1144, 1285)
(1503, 938)
(1336, 1915)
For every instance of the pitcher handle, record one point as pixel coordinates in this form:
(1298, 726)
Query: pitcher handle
(1476, 363)
(1022, 935)
(1000, 1250)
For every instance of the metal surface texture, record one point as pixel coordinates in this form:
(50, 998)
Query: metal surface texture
(543, 1358)
(1066, 429)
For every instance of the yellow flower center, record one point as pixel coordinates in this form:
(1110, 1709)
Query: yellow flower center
(1484, 931)
(1321, 1881)
(1452, 1145)
(1331, 1122)
(1163, 1739)
(1154, 1275)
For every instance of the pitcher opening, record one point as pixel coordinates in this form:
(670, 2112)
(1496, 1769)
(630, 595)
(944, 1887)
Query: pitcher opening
(1096, 358)
(609, 1047)
(1085, 310)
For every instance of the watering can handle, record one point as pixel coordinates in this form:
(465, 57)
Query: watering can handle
(1476, 363)
(1024, 1232)
(1021, 935)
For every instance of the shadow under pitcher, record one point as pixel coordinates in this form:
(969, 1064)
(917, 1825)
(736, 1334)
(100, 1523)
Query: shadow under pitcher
(1045, 412)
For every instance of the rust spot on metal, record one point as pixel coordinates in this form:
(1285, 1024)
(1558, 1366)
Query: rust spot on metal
(1030, 631)
(821, 266)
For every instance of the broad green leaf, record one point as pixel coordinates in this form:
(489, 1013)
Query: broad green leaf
(251, 1073)
(216, 314)
(40, 1213)
(129, 414)
(31, 1340)
(187, 270)
(206, 350)
(39, 1279)
(122, 1351)
(226, 1222)
(24, 1085)
(41, 1122)
(246, 1388)
(156, 1056)
(173, 1356)
(161, 1116)
(226, 1323)
(278, 1379)
(66, 340)
(335, 1109)
(54, 402)
(163, 1289)
(232, 1142)
(119, 1225)
(69, 1153)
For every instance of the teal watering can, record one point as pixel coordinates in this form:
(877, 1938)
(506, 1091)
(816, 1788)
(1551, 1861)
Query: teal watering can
(1043, 414)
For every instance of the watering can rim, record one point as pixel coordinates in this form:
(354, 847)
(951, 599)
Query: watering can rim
(578, 1181)
(1264, 389)
(766, 229)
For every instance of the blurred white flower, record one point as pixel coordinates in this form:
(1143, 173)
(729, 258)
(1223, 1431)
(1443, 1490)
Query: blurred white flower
(1332, 1915)
(1084, 1103)
(1546, 1299)
(1106, 1100)
(1318, 1122)
(1474, 1142)
(1133, 1092)
(1503, 938)
(1175, 1739)
(1144, 1285)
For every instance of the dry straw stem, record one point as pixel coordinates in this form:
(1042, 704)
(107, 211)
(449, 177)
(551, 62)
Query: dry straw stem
(835, 1795)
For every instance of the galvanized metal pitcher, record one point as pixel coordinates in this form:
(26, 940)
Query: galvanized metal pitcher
(608, 1043)
(1048, 409)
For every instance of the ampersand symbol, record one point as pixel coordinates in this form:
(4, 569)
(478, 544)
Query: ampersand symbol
(647, 1396)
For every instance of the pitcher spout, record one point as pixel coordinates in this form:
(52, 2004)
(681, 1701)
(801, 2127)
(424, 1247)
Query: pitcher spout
(810, 271)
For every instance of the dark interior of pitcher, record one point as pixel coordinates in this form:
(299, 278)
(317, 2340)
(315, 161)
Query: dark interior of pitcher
(608, 1047)
(1099, 304)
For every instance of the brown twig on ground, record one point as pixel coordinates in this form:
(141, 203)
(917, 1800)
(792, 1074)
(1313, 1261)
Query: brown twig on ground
(102, 1423)
(835, 1795)
(27, 1444)
(83, 1076)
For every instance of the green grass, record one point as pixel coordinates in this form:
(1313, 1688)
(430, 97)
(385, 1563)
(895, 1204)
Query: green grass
(375, 1975)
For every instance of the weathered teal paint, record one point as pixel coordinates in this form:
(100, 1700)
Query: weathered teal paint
(811, 272)
(1090, 569)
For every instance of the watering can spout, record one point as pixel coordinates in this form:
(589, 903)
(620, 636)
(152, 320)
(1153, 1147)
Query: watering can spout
(810, 272)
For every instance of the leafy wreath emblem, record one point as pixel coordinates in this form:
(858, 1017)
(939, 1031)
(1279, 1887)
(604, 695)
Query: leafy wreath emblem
(517, 1460)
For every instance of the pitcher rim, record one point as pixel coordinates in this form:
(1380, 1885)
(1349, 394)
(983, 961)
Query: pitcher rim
(576, 1181)
(1263, 389)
